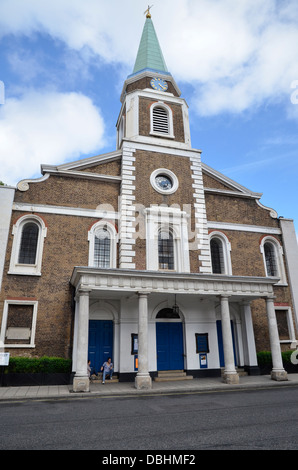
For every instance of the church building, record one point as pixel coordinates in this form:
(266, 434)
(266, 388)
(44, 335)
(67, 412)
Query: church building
(146, 254)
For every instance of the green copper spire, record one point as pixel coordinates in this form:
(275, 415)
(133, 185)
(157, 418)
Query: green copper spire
(149, 55)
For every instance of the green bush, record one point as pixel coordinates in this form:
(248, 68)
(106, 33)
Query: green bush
(264, 357)
(34, 365)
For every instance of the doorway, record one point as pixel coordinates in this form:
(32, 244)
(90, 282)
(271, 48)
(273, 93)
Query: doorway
(100, 346)
(169, 342)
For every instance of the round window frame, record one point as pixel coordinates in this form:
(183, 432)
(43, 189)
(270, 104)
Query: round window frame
(169, 174)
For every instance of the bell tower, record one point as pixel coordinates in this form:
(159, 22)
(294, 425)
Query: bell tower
(161, 173)
(152, 109)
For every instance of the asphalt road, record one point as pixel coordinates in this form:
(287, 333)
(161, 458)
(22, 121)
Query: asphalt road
(246, 420)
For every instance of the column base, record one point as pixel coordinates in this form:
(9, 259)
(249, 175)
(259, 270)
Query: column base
(279, 375)
(143, 382)
(81, 384)
(230, 378)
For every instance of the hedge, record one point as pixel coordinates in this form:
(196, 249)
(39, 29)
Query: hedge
(37, 365)
(264, 357)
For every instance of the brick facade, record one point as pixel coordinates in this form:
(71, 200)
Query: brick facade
(69, 202)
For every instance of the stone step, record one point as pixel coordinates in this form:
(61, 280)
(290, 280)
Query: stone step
(164, 373)
(98, 378)
(172, 378)
(172, 375)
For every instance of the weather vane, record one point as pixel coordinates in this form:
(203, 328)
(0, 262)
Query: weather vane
(148, 12)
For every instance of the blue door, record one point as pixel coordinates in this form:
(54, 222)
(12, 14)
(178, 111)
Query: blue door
(220, 343)
(169, 341)
(100, 343)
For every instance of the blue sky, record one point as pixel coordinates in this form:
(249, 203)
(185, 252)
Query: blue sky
(63, 64)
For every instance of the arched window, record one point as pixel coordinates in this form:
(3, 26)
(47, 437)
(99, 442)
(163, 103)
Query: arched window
(166, 250)
(270, 259)
(272, 253)
(102, 245)
(28, 239)
(161, 120)
(220, 248)
(167, 239)
(217, 256)
(168, 313)
(102, 249)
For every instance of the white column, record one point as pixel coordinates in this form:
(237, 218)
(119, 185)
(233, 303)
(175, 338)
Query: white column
(230, 374)
(250, 355)
(143, 379)
(278, 372)
(81, 379)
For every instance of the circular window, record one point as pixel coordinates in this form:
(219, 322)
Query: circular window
(164, 181)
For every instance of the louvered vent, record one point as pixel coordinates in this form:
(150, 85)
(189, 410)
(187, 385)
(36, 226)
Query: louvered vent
(160, 120)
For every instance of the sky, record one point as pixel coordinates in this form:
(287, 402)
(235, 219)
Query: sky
(63, 64)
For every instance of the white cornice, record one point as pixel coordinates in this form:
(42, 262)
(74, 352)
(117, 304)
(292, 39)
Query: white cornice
(84, 163)
(243, 227)
(150, 144)
(228, 181)
(62, 210)
(226, 192)
(117, 281)
(83, 175)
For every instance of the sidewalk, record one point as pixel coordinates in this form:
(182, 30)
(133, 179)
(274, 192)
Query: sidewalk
(125, 389)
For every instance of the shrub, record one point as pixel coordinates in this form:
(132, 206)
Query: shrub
(264, 357)
(42, 364)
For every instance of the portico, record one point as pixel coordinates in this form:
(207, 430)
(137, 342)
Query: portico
(136, 295)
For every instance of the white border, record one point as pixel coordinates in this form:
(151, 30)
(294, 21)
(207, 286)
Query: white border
(4, 322)
(27, 269)
(172, 176)
(113, 240)
(278, 251)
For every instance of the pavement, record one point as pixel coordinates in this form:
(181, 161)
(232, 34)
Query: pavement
(127, 389)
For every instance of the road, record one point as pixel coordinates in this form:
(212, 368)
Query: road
(259, 419)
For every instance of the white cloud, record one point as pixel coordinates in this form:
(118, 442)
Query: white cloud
(46, 127)
(236, 54)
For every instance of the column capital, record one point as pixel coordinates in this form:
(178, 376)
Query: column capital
(143, 293)
(83, 291)
(270, 298)
(224, 297)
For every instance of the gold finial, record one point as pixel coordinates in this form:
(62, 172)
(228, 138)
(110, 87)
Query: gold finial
(148, 12)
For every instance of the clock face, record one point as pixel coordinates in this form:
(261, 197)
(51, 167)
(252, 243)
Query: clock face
(164, 182)
(159, 84)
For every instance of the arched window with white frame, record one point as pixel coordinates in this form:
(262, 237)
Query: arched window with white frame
(161, 119)
(272, 252)
(29, 233)
(220, 249)
(167, 246)
(102, 239)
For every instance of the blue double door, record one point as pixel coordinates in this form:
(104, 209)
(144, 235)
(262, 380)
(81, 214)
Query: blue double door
(169, 343)
(100, 346)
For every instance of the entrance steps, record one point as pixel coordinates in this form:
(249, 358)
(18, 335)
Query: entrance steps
(172, 375)
(98, 379)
